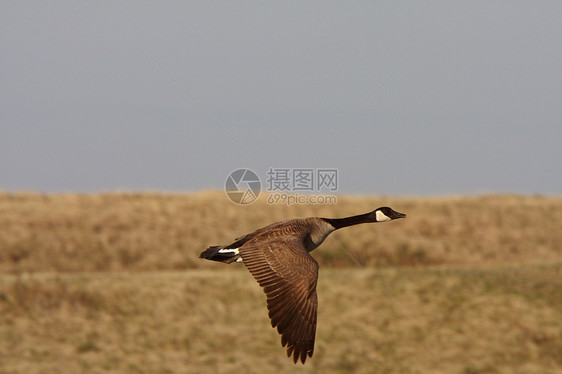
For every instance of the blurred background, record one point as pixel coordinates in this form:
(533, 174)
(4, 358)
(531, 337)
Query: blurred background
(121, 121)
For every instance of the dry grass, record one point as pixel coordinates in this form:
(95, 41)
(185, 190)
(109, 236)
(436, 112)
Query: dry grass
(493, 320)
(140, 232)
(81, 277)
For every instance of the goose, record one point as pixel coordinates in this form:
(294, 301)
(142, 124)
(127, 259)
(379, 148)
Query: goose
(278, 258)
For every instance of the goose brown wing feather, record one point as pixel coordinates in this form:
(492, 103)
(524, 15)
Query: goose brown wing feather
(288, 274)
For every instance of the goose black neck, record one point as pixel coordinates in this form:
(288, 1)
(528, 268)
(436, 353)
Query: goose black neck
(338, 223)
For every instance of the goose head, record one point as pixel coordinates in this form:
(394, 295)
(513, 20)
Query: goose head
(385, 214)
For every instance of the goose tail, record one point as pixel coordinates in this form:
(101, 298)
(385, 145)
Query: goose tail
(221, 254)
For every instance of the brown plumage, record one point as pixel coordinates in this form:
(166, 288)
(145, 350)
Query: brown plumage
(278, 258)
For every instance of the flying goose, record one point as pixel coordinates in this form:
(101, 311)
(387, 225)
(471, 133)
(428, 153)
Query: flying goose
(277, 257)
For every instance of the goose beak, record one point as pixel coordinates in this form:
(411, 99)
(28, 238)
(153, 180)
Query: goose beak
(398, 215)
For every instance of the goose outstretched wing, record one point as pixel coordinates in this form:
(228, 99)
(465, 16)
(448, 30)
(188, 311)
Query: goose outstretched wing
(288, 275)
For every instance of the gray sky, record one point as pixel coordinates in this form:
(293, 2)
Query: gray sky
(420, 98)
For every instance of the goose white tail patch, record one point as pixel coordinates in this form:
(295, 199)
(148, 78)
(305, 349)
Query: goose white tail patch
(381, 217)
(233, 251)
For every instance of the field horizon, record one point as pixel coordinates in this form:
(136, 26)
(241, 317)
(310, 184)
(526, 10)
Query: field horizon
(112, 283)
(155, 231)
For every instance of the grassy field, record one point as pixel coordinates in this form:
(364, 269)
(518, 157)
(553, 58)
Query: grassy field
(145, 232)
(112, 283)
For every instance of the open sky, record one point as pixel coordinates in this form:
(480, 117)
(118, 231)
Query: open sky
(403, 98)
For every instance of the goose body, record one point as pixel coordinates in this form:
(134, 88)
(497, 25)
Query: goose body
(278, 258)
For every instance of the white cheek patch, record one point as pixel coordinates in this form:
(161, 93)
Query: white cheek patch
(381, 217)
